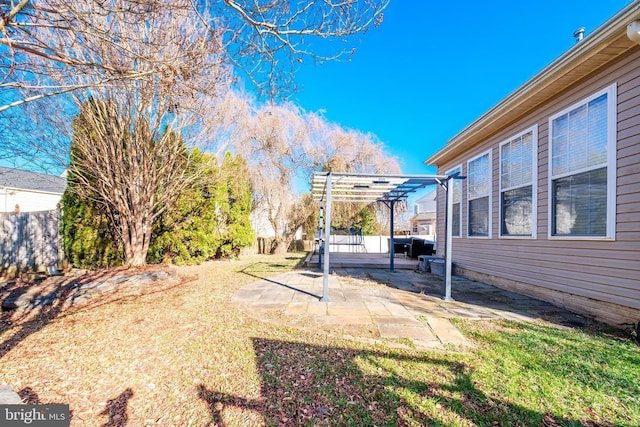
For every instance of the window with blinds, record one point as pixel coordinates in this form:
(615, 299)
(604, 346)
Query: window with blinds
(479, 196)
(517, 184)
(582, 168)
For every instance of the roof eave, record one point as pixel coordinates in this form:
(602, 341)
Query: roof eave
(581, 53)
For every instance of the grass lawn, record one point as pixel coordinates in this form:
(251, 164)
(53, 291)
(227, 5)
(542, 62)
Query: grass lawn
(184, 355)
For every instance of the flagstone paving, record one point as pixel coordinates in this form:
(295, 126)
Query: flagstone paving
(400, 305)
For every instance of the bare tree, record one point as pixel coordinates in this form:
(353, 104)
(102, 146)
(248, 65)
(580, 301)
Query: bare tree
(51, 47)
(274, 141)
(78, 49)
(345, 150)
(286, 145)
(131, 138)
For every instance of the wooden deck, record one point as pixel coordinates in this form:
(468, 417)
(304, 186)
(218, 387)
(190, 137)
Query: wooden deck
(363, 260)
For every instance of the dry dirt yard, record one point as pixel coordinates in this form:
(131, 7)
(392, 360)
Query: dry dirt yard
(164, 353)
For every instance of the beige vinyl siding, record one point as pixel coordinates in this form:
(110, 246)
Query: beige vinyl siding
(628, 195)
(568, 272)
(543, 178)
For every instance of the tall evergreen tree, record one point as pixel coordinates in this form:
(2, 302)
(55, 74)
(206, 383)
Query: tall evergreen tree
(88, 238)
(211, 218)
(239, 232)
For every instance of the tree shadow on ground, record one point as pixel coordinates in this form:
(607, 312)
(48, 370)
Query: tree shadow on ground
(46, 304)
(30, 397)
(51, 300)
(261, 271)
(116, 409)
(303, 384)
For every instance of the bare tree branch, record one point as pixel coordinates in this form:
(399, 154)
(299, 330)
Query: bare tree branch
(10, 16)
(269, 40)
(151, 70)
(265, 41)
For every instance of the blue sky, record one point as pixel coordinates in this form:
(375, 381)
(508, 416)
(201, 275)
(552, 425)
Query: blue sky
(432, 68)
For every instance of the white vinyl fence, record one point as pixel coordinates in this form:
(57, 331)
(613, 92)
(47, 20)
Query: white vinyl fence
(366, 244)
(30, 241)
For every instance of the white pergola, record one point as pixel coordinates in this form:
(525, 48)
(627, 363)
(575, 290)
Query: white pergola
(330, 187)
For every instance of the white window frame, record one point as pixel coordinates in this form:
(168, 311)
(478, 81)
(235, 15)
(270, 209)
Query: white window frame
(452, 183)
(534, 183)
(612, 99)
(490, 201)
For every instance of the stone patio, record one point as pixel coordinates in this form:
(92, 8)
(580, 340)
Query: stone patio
(400, 305)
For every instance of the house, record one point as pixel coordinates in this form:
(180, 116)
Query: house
(260, 219)
(423, 221)
(550, 206)
(24, 191)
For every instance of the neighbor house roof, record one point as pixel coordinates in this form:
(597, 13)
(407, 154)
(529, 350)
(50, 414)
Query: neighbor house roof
(423, 216)
(431, 195)
(604, 44)
(26, 180)
(427, 202)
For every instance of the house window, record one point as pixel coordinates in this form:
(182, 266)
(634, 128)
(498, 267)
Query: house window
(517, 185)
(479, 195)
(456, 194)
(582, 179)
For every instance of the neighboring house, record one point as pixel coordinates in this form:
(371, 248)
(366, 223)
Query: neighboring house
(423, 221)
(259, 218)
(263, 228)
(550, 206)
(26, 191)
(29, 239)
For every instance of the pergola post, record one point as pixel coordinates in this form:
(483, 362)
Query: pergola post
(321, 236)
(327, 239)
(448, 238)
(391, 245)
